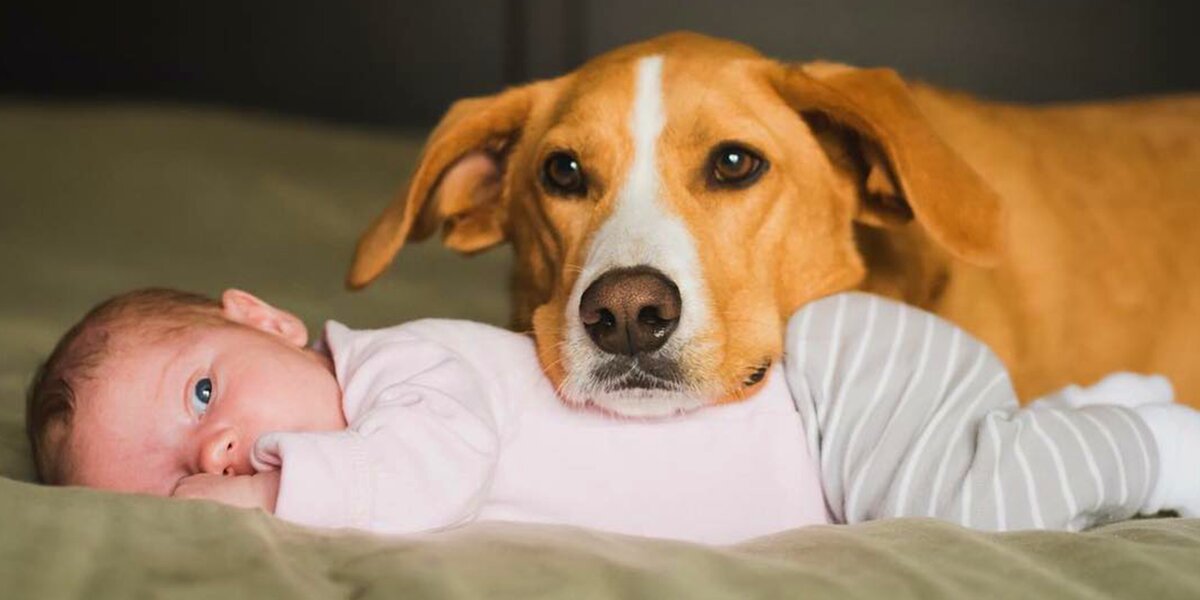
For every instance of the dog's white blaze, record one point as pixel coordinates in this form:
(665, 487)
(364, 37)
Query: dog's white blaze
(640, 231)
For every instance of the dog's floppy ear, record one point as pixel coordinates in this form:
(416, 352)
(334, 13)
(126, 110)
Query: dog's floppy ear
(904, 168)
(457, 184)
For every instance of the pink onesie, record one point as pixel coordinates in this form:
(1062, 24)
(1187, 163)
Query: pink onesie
(452, 422)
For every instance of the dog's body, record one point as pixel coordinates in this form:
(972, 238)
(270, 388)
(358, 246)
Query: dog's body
(672, 202)
(1101, 270)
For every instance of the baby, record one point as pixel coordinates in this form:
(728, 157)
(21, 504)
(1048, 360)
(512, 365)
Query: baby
(880, 410)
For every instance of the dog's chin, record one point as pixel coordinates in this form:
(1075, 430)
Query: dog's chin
(642, 402)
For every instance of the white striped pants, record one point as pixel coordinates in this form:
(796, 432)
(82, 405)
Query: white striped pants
(908, 415)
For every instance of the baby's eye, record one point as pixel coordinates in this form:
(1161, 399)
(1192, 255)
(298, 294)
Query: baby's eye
(202, 395)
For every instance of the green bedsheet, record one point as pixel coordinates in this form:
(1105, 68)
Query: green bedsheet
(96, 200)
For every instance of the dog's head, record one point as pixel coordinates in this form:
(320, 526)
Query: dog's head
(672, 202)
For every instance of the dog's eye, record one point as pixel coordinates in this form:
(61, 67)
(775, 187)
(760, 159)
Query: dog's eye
(562, 175)
(734, 166)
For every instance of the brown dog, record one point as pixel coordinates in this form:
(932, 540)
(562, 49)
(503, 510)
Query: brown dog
(672, 202)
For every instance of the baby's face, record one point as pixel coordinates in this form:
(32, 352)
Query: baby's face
(160, 408)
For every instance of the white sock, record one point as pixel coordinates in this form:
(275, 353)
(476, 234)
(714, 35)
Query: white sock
(1130, 390)
(1176, 430)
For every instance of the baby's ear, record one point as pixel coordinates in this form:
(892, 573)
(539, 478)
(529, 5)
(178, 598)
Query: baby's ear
(251, 311)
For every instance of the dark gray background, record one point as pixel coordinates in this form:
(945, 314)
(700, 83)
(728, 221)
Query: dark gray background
(399, 64)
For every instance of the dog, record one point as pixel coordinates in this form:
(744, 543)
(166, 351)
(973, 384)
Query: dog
(672, 202)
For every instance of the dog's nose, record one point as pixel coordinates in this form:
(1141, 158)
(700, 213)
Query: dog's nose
(630, 311)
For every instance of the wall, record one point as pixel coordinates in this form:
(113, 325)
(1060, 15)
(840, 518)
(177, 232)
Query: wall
(398, 64)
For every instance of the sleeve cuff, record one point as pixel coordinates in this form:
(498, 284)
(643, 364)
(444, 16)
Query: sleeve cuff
(324, 477)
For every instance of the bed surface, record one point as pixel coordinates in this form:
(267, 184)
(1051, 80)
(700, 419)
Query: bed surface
(97, 199)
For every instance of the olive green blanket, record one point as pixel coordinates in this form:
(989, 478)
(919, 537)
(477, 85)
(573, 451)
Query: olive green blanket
(95, 200)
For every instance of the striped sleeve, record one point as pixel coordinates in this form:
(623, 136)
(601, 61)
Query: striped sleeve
(911, 416)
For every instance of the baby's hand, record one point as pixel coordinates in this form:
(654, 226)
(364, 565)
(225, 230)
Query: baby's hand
(245, 491)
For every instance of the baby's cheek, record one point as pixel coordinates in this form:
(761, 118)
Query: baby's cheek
(309, 404)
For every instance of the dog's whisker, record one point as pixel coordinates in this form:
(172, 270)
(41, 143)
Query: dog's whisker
(555, 363)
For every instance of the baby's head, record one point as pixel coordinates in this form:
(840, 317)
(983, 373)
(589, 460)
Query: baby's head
(155, 385)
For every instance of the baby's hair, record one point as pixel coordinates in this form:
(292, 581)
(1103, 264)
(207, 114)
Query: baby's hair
(51, 400)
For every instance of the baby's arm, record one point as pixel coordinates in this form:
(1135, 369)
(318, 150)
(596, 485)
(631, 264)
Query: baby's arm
(911, 416)
(418, 455)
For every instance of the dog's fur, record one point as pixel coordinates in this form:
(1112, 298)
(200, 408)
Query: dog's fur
(1066, 237)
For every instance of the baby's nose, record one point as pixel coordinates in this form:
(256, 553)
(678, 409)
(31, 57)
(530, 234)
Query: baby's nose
(219, 452)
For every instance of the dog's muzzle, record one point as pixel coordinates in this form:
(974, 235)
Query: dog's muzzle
(629, 314)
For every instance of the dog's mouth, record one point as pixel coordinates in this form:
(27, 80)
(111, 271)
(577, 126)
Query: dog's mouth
(650, 373)
(757, 374)
(639, 373)
(657, 386)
